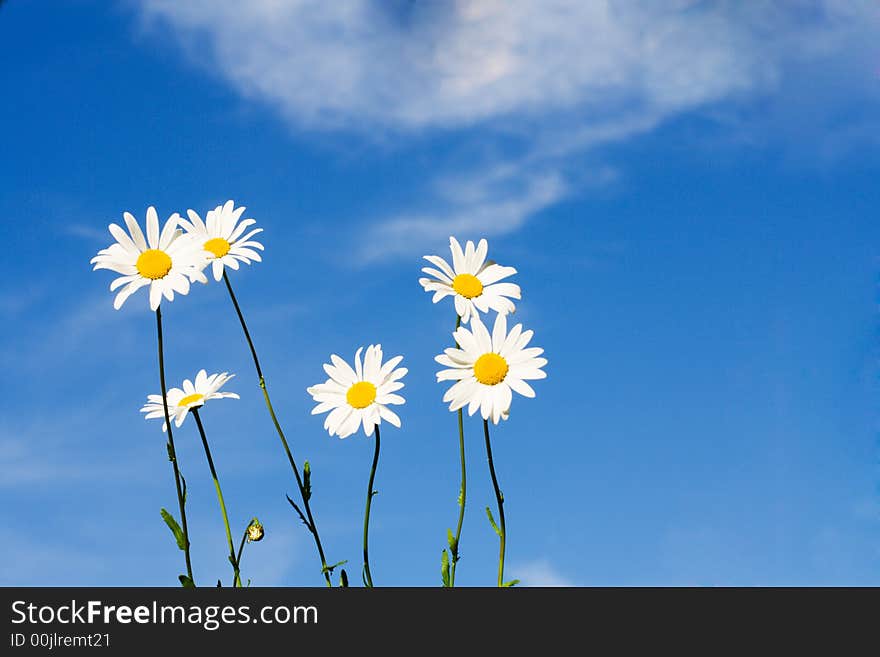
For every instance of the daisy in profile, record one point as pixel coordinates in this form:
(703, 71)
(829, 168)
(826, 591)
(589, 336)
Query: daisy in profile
(360, 397)
(223, 237)
(191, 396)
(487, 368)
(189, 399)
(166, 261)
(472, 281)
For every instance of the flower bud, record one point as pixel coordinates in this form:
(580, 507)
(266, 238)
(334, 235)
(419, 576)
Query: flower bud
(255, 531)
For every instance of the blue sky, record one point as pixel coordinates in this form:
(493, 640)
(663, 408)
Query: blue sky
(688, 190)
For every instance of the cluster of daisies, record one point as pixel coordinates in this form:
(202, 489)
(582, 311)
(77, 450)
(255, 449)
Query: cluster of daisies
(168, 261)
(486, 367)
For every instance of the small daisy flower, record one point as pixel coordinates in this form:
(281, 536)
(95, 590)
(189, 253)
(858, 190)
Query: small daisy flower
(472, 280)
(487, 368)
(223, 237)
(166, 261)
(192, 395)
(359, 396)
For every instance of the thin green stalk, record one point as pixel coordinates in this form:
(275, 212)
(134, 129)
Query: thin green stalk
(241, 546)
(368, 578)
(172, 453)
(236, 580)
(463, 489)
(500, 497)
(310, 523)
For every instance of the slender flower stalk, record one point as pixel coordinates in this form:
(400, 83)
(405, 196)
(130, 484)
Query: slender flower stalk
(453, 548)
(172, 453)
(499, 496)
(304, 495)
(487, 370)
(252, 533)
(232, 558)
(244, 536)
(240, 551)
(368, 578)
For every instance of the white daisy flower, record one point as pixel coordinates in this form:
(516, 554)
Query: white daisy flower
(359, 396)
(472, 280)
(487, 368)
(191, 395)
(166, 261)
(223, 237)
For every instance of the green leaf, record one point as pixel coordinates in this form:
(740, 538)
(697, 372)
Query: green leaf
(343, 579)
(183, 493)
(461, 498)
(170, 451)
(453, 544)
(511, 583)
(300, 513)
(492, 521)
(186, 582)
(444, 569)
(330, 569)
(175, 529)
(307, 481)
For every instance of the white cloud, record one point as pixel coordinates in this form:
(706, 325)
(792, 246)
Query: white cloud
(540, 573)
(86, 232)
(560, 75)
(32, 563)
(483, 207)
(413, 65)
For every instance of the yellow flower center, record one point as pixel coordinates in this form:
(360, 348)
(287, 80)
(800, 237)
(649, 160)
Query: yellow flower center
(467, 285)
(361, 394)
(218, 246)
(490, 369)
(190, 399)
(153, 264)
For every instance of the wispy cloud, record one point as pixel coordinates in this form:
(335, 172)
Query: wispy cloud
(482, 206)
(364, 63)
(30, 563)
(15, 300)
(90, 233)
(539, 573)
(38, 449)
(559, 76)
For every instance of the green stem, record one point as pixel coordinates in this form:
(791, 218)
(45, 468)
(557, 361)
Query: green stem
(368, 578)
(305, 499)
(500, 497)
(463, 488)
(172, 453)
(236, 580)
(241, 546)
